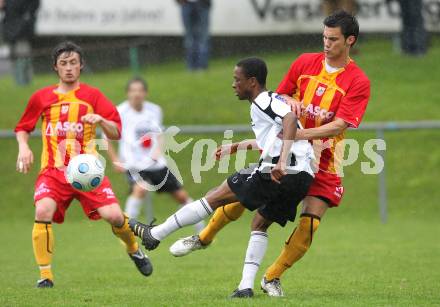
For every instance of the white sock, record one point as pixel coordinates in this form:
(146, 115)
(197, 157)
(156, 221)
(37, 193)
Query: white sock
(254, 256)
(133, 206)
(187, 215)
(200, 225)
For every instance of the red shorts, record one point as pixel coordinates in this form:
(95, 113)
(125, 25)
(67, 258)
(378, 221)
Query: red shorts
(52, 183)
(328, 186)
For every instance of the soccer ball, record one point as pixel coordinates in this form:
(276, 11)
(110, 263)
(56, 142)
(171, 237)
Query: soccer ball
(85, 172)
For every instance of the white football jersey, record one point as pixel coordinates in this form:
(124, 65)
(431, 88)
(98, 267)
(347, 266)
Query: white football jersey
(140, 136)
(267, 112)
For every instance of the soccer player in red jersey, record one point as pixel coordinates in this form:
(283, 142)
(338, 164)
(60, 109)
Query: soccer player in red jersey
(70, 113)
(329, 93)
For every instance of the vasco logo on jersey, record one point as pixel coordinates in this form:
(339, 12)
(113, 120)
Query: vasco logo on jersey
(313, 111)
(62, 128)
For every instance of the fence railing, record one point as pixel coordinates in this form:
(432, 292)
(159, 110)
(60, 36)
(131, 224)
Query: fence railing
(378, 127)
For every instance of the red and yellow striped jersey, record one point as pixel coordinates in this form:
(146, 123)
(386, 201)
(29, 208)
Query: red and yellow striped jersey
(63, 132)
(325, 96)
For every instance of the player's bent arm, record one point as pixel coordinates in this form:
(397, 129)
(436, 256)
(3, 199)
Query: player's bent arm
(289, 133)
(25, 156)
(110, 129)
(230, 149)
(248, 144)
(330, 129)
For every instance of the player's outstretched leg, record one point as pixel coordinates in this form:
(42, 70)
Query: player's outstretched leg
(113, 214)
(182, 197)
(188, 215)
(222, 216)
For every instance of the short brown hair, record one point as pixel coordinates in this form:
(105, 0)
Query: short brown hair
(347, 22)
(68, 47)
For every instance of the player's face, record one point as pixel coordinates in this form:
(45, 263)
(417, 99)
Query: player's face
(335, 44)
(68, 67)
(241, 84)
(136, 93)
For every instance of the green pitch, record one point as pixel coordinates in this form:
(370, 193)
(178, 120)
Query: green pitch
(354, 260)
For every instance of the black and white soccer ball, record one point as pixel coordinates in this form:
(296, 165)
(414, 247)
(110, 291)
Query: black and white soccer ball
(85, 172)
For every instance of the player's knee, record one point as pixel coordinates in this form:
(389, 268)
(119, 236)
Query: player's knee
(220, 196)
(259, 223)
(112, 214)
(44, 211)
(115, 219)
(260, 227)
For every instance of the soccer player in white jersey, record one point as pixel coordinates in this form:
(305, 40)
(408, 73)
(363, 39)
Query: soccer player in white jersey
(275, 187)
(140, 154)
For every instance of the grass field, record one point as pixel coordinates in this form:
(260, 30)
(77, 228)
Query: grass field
(354, 261)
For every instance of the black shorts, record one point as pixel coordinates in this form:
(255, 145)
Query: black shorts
(156, 177)
(275, 202)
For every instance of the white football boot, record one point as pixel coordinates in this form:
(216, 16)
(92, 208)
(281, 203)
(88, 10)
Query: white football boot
(272, 288)
(184, 246)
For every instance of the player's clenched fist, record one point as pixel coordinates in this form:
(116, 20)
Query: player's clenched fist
(91, 118)
(25, 159)
(278, 172)
(225, 150)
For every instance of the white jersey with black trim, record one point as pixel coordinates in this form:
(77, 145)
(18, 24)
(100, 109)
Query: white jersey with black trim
(267, 113)
(140, 136)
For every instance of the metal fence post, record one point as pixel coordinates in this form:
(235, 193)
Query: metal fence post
(134, 60)
(382, 188)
